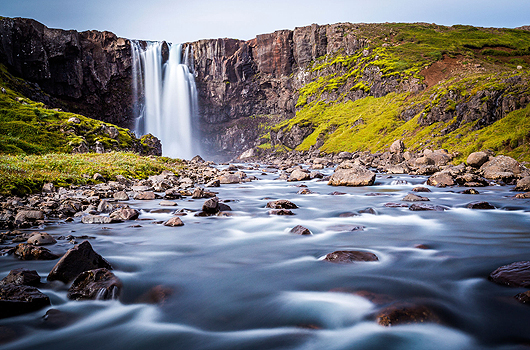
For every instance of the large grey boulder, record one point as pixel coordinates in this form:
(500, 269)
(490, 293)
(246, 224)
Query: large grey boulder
(356, 175)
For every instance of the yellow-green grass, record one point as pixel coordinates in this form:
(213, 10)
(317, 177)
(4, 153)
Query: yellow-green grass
(23, 174)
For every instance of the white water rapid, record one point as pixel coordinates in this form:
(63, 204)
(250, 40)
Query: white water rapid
(165, 97)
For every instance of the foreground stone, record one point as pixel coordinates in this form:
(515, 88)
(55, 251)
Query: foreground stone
(300, 230)
(480, 205)
(281, 204)
(516, 274)
(350, 256)
(21, 276)
(100, 284)
(354, 176)
(174, 222)
(404, 313)
(25, 251)
(212, 206)
(41, 238)
(77, 260)
(20, 299)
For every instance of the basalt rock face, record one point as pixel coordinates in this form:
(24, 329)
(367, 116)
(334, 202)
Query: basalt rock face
(83, 72)
(259, 78)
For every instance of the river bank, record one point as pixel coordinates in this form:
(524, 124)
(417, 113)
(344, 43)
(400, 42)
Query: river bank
(207, 267)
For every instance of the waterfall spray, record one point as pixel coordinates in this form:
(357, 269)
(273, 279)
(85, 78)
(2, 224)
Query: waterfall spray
(165, 97)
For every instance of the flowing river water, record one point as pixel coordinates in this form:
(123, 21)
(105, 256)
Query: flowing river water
(246, 282)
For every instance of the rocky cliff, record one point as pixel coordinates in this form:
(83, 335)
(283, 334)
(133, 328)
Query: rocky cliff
(83, 72)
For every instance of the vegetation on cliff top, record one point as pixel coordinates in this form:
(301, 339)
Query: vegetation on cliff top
(477, 64)
(23, 174)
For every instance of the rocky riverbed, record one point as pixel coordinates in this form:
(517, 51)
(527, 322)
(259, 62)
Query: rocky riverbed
(305, 251)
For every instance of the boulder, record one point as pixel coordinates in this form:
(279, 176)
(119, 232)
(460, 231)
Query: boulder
(25, 251)
(300, 230)
(405, 313)
(516, 274)
(397, 147)
(100, 284)
(229, 179)
(501, 168)
(299, 175)
(96, 219)
(414, 198)
(174, 222)
(145, 195)
(124, 214)
(21, 277)
(280, 212)
(28, 215)
(105, 206)
(426, 207)
(471, 180)
(354, 176)
(304, 190)
(477, 159)
(20, 299)
(76, 260)
(480, 205)
(41, 238)
(166, 203)
(441, 179)
(121, 196)
(350, 256)
(199, 192)
(213, 183)
(420, 189)
(523, 184)
(281, 204)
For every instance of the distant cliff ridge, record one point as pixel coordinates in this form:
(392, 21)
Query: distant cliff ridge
(299, 89)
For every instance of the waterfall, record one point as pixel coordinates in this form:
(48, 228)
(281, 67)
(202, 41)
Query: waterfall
(165, 97)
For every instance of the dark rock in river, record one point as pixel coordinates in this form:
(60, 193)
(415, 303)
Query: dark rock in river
(426, 207)
(516, 274)
(280, 212)
(421, 189)
(55, 319)
(26, 251)
(414, 198)
(281, 204)
(480, 205)
(523, 297)
(300, 230)
(21, 277)
(349, 256)
(19, 299)
(100, 284)
(405, 313)
(76, 260)
(470, 191)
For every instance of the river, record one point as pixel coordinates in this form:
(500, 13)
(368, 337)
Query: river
(245, 282)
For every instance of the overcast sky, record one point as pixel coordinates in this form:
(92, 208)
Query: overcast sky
(181, 21)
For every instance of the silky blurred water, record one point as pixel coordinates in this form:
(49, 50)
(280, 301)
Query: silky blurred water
(246, 282)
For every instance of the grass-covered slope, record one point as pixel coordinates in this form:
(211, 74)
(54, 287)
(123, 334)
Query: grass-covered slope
(461, 88)
(28, 127)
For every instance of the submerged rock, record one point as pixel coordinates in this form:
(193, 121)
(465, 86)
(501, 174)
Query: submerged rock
(349, 256)
(405, 313)
(280, 212)
(516, 274)
(300, 230)
(523, 297)
(77, 260)
(100, 284)
(281, 204)
(480, 205)
(20, 299)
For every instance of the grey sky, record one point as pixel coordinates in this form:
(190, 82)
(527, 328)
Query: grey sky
(180, 21)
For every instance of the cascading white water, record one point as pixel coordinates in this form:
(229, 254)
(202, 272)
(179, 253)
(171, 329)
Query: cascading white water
(165, 97)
